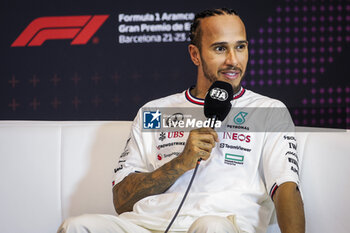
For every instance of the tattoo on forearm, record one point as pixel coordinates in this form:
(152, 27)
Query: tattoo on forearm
(140, 185)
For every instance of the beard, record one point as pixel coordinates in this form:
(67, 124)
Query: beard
(212, 77)
(207, 74)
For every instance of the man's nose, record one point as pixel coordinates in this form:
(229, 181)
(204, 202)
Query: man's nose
(231, 58)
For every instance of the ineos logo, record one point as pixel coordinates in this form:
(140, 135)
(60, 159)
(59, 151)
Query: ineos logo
(219, 94)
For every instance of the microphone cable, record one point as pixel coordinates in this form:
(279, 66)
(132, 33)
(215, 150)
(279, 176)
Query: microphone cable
(183, 199)
(189, 185)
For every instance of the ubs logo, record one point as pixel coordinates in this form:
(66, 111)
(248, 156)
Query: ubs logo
(172, 134)
(176, 134)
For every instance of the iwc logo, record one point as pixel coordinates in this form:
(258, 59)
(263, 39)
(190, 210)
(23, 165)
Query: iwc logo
(175, 118)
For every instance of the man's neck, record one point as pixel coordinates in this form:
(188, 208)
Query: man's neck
(197, 93)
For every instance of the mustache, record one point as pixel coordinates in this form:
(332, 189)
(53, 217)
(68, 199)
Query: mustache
(231, 69)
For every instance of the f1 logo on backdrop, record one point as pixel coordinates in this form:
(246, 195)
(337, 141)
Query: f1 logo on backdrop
(78, 28)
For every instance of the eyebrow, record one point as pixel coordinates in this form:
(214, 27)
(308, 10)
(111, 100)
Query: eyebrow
(225, 43)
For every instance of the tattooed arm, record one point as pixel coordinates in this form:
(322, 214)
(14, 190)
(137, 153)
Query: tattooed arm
(136, 186)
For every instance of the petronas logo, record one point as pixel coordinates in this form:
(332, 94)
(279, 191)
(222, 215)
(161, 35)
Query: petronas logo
(240, 118)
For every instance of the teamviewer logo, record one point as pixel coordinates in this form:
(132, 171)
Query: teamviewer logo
(152, 119)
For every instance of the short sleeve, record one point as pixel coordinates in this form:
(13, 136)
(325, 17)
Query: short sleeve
(280, 159)
(133, 158)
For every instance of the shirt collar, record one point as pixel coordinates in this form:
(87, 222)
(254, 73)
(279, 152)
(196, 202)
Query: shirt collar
(199, 101)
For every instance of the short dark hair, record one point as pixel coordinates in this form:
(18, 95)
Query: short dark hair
(195, 33)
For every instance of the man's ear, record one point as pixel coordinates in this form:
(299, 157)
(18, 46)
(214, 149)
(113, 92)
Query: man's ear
(194, 53)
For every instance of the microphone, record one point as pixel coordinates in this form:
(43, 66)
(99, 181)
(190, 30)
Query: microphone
(217, 102)
(216, 106)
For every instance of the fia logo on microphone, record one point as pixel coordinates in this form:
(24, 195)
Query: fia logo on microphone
(152, 119)
(219, 94)
(240, 118)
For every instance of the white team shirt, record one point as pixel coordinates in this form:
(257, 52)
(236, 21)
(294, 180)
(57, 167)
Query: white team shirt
(255, 154)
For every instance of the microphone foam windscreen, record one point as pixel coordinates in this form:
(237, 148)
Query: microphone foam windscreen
(217, 101)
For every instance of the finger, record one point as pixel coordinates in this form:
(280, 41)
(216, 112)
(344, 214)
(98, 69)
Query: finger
(215, 135)
(209, 138)
(204, 155)
(204, 146)
(208, 131)
(202, 141)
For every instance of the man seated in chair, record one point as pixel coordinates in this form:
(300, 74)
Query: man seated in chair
(242, 177)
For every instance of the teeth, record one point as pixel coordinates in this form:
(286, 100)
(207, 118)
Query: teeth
(231, 75)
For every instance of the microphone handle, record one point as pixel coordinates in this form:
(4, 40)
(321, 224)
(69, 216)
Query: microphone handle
(214, 118)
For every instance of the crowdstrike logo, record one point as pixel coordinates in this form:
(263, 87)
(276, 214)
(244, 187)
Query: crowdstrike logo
(78, 28)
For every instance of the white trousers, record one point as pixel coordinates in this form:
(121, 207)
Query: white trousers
(99, 223)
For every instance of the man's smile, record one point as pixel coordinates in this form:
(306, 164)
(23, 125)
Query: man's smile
(231, 74)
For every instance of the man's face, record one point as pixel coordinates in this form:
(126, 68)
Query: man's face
(224, 50)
